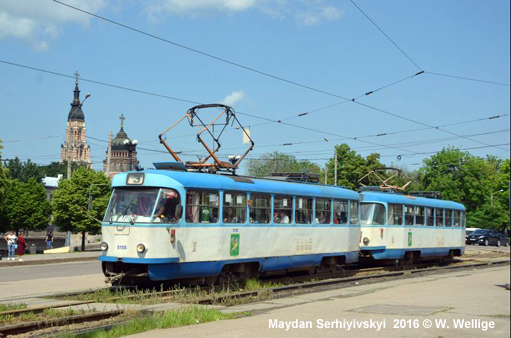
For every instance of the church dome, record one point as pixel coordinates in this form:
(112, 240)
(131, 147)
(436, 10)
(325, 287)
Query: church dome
(120, 138)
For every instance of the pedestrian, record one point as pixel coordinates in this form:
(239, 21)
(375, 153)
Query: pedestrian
(49, 240)
(11, 240)
(22, 245)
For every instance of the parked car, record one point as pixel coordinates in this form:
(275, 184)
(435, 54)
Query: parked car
(468, 231)
(487, 237)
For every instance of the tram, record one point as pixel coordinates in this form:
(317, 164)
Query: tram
(407, 228)
(171, 224)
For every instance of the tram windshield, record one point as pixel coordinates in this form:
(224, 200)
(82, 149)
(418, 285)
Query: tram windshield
(372, 214)
(143, 206)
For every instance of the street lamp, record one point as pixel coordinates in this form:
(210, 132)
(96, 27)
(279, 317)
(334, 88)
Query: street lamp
(131, 145)
(491, 195)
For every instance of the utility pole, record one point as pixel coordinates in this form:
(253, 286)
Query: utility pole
(326, 172)
(335, 182)
(109, 154)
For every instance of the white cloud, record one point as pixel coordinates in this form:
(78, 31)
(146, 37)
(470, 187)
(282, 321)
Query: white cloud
(314, 16)
(37, 22)
(233, 98)
(197, 8)
(305, 12)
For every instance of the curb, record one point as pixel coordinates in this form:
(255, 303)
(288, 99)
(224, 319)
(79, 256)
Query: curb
(47, 261)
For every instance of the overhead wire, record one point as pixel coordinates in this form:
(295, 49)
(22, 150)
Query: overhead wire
(388, 37)
(254, 70)
(468, 79)
(250, 115)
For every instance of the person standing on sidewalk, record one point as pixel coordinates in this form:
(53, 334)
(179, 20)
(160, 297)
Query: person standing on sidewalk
(11, 240)
(49, 240)
(22, 245)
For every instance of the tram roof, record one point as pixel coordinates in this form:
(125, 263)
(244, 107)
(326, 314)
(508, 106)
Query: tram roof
(167, 178)
(369, 196)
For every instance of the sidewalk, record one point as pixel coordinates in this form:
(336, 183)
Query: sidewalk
(38, 259)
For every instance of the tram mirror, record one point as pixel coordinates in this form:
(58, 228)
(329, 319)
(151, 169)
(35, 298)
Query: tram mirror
(179, 211)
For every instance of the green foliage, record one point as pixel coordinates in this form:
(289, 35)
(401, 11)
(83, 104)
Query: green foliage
(278, 162)
(25, 206)
(186, 316)
(59, 168)
(482, 185)
(23, 171)
(352, 166)
(71, 199)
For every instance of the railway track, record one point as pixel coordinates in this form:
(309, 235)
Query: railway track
(301, 284)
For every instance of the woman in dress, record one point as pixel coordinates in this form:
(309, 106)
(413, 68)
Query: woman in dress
(22, 245)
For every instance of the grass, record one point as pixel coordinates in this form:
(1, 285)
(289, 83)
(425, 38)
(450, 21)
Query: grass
(11, 307)
(180, 294)
(30, 316)
(187, 316)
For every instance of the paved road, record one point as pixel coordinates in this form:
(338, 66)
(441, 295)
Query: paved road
(35, 272)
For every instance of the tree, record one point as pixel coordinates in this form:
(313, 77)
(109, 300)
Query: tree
(71, 200)
(26, 206)
(472, 181)
(278, 162)
(23, 171)
(352, 166)
(58, 168)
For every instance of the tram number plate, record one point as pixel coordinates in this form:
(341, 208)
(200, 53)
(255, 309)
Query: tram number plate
(122, 247)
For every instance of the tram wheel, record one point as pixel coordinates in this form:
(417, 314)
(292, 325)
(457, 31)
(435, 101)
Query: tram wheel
(210, 281)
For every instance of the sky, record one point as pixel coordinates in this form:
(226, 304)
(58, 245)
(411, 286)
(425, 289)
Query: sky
(300, 62)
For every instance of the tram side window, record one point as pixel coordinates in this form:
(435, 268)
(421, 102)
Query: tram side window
(202, 206)
(353, 212)
(283, 209)
(165, 211)
(303, 210)
(430, 217)
(235, 207)
(439, 217)
(419, 215)
(409, 215)
(323, 211)
(448, 218)
(395, 214)
(340, 212)
(260, 208)
(456, 218)
(463, 220)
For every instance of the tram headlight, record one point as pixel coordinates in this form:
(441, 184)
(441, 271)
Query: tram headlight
(366, 241)
(140, 248)
(104, 246)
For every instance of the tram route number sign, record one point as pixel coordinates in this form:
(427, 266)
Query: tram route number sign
(409, 238)
(235, 245)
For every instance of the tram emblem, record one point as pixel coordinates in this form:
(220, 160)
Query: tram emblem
(235, 244)
(409, 238)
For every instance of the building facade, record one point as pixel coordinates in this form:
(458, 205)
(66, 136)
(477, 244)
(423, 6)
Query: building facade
(123, 156)
(76, 148)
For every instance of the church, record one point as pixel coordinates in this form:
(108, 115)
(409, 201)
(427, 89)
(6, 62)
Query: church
(76, 148)
(123, 153)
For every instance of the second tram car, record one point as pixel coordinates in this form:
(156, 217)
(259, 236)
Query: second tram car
(405, 229)
(165, 225)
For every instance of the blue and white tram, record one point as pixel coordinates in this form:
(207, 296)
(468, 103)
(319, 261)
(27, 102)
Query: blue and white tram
(173, 225)
(406, 228)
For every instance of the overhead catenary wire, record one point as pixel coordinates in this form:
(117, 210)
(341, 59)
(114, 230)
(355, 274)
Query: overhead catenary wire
(250, 115)
(385, 34)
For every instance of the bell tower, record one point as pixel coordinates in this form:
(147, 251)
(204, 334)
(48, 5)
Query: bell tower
(76, 148)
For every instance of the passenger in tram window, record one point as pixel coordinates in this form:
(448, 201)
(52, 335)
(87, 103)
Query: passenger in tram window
(231, 217)
(281, 218)
(322, 218)
(214, 216)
